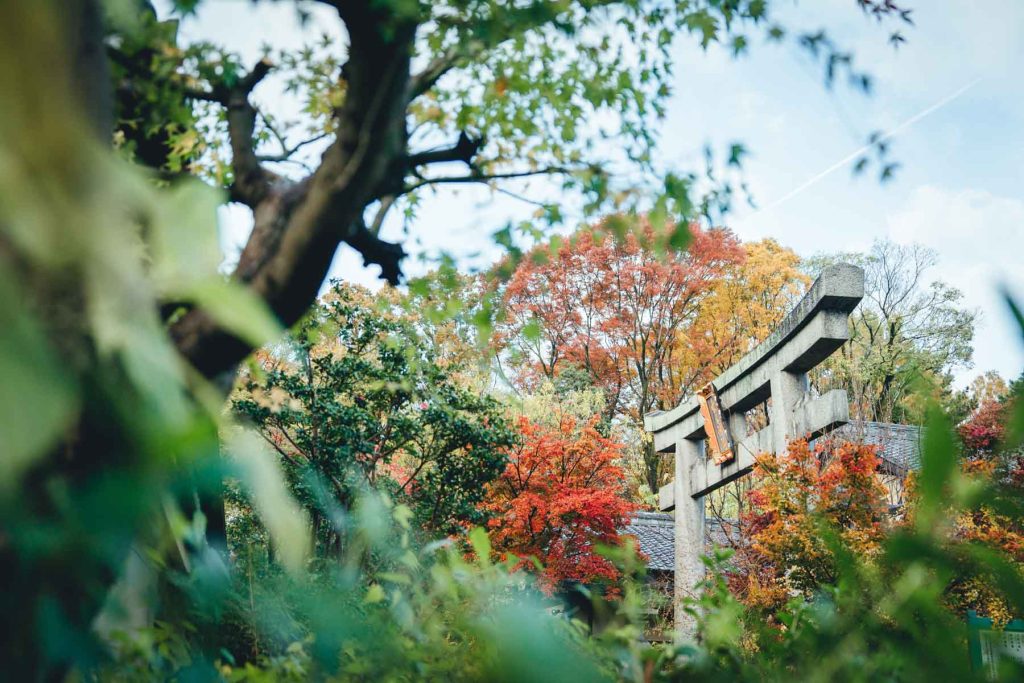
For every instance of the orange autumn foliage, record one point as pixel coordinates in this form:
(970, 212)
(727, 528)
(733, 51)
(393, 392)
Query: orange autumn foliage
(561, 496)
(744, 306)
(785, 554)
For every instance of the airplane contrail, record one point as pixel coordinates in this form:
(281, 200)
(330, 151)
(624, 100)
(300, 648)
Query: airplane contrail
(861, 150)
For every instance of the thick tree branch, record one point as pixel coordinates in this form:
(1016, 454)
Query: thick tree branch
(298, 226)
(464, 150)
(376, 251)
(251, 181)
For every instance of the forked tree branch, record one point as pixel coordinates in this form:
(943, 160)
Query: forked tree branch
(287, 152)
(251, 181)
(299, 225)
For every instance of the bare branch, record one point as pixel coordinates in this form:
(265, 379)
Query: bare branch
(487, 177)
(287, 152)
(464, 150)
(439, 66)
(378, 220)
(527, 200)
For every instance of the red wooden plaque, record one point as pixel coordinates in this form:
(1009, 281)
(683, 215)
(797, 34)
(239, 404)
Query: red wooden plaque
(714, 425)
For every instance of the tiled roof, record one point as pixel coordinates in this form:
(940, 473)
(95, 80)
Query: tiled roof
(653, 531)
(654, 534)
(899, 446)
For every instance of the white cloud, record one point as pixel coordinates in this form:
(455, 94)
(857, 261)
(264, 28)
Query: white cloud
(980, 240)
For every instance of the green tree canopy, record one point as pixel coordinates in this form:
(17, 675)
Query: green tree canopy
(414, 97)
(355, 397)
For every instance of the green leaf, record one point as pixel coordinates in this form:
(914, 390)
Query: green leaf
(531, 330)
(1015, 428)
(374, 594)
(481, 544)
(679, 238)
(38, 396)
(237, 309)
(395, 577)
(938, 466)
(262, 477)
(186, 259)
(736, 153)
(403, 515)
(183, 235)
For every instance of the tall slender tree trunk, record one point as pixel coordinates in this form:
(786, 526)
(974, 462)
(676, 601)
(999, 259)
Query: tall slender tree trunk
(652, 459)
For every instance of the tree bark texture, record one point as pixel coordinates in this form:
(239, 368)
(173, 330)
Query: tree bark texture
(298, 226)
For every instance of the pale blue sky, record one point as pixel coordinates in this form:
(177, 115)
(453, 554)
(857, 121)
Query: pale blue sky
(959, 188)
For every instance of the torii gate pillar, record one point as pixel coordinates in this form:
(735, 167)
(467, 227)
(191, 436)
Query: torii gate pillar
(777, 369)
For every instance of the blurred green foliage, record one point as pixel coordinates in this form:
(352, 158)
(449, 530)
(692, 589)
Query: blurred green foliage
(110, 443)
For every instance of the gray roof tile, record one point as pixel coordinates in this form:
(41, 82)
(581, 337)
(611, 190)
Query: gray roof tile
(899, 446)
(653, 531)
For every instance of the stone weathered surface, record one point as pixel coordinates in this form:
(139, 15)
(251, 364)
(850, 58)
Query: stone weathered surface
(775, 369)
(689, 536)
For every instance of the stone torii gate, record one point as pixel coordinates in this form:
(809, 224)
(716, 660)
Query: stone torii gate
(777, 369)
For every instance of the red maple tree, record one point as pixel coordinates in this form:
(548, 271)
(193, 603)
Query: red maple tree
(983, 431)
(561, 496)
(615, 308)
(618, 310)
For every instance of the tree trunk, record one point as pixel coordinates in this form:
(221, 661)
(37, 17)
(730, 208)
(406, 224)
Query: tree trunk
(652, 459)
(90, 72)
(60, 588)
